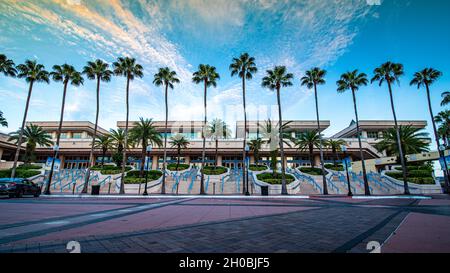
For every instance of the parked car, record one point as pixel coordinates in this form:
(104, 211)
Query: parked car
(18, 187)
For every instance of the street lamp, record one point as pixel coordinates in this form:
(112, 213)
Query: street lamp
(148, 149)
(344, 149)
(247, 162)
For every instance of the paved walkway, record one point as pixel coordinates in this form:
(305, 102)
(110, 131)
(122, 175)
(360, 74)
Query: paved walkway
(190, 224)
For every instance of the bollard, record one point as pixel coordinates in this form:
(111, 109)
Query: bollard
(109, 188)
(214, 188)
(73, 189)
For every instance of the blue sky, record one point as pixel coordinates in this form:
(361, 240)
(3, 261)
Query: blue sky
(338, 35)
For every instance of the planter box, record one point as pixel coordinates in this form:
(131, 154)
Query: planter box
(292, 188)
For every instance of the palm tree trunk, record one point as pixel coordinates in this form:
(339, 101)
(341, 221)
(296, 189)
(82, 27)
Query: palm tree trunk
(124, 159)
(436, 135)
(91, 154)
(324, 179)
(399, 143)
(335, 157)
(363, 164)
(103, 157)
(142, 163)
(178, 158)
(202, 176)
(58, 137)
(217, 152)
(163, 188)
(19, 141)
(244, 169)
(311, 156)
(280, 125)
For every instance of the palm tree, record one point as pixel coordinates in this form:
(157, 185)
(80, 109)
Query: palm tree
(275, 79)
(144, 133)
(412, 140)
(33, 135)
(118, 143)
(244, 67)
(391, 73)
(66, 74)
(128, 68)
(271, 137)
(97, 70)
(444, 133)
(180, 142)
(307, 141)
(7, 66)
(427, 77)
(217, 129)
(255, 146)
(207, 75)
(32, 72)
(443, 119)
(353, 81)
(445, 98)
(167, 78)
(3, 121)
(335, 146)
(104, 143)
(313, 78)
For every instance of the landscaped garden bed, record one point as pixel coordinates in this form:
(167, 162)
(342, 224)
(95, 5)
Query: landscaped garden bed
(312, 171)
(274, 179)
(110, 169)
(181, 167)
(214, 170)
(132, 177)
(20, 173)
(416, 174)
(257, 168)
(337, 168)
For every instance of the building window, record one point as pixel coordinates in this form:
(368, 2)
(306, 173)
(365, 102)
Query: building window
(372, 134)
(77, 135)
(64, 135)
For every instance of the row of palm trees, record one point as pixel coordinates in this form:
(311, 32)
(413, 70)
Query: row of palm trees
(244, 66)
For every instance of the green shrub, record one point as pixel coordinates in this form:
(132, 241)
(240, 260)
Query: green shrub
(257, 168)
(181, 167)
(274, 179)
(20, 173)
(311, 171)
(417, 177)
(338, 167)
(133, 177)
(422, 180)
(110, 169)
(416, 168)
(134, 180)
(214, 170)
(29, 167)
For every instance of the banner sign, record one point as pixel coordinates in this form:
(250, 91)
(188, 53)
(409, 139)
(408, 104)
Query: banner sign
(56, 165)
(447, 159)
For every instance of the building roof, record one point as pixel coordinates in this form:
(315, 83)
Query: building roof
(377, 125)
(70, 126)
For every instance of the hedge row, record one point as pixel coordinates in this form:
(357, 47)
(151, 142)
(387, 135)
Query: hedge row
(181, 167)
(109, 169)
(412, 174)
(311, 171)
(29, 167)
(20, 173)
(416, 168)
(257, 168)
(214, 170)
(339, 167)
(274, 179)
